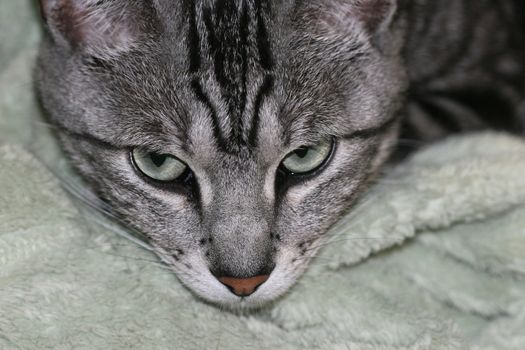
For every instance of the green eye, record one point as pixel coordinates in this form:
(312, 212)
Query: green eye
(307, 159)
(160, 167)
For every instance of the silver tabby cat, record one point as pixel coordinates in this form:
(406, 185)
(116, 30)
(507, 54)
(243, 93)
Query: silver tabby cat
(233, 134)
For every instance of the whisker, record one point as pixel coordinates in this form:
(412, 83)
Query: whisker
(319, 260)
(158, 263)
(92, 202)
(346, 225)
(45, 124)
(411, 142)
(87, 198)
(386, 181)
(122, 233)
(343, 240)
(83, 195)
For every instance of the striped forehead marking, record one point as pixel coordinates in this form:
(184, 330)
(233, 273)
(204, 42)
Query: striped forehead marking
(234, 34)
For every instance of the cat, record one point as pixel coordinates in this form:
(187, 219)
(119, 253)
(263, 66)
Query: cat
(234, 134)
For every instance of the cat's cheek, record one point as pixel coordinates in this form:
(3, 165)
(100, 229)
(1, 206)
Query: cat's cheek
(121, 167)
(348, 155)
(289, 268)
(311, 210)
(201, 282)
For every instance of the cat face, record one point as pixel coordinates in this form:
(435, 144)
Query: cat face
(232, 134)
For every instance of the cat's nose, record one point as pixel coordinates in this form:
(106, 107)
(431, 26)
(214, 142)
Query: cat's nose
(243, 287)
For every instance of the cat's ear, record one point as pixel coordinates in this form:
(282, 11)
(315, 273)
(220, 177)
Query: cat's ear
(93, 25)
(373, 15)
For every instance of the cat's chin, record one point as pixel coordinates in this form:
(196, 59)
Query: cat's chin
(205, 286)
(263, 297)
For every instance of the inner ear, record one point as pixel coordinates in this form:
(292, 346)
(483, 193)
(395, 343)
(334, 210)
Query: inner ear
(103, 26)
(375, 14)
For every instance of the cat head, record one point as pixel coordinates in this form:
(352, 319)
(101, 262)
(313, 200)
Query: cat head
(232, 134)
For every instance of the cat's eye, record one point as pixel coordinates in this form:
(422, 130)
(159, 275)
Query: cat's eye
(160, 167)
(307, 159)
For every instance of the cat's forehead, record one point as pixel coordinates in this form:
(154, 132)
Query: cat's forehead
(226, 76)
(217, 75)
(229, 51)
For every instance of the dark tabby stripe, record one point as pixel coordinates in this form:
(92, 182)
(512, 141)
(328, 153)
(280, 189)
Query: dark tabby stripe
(193, 40)
(202, 97)
(230, 60)
(231, 28)
(264, 91)
(263, 44)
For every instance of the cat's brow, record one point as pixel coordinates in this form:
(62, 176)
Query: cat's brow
(87, 137)
(375, 130)
(301, 137)
(133, 137)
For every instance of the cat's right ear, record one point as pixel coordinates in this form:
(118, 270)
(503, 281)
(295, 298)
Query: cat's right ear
(372, 16)
(103, 27)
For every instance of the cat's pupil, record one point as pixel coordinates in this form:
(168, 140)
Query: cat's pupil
(158, 159)
(302, 152)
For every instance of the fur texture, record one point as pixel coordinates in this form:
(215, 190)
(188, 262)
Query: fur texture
(232, 87)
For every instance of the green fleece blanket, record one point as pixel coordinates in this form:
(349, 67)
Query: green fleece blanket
(432, 258)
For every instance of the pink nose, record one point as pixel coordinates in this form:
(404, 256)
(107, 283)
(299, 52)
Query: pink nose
(243, 287)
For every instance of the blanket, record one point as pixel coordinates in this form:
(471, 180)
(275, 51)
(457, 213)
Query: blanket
(433, 257)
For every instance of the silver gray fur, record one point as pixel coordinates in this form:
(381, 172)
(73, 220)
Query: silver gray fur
(232, 87)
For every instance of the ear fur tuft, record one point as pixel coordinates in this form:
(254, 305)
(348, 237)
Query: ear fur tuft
(375, 14)
(103, 27)
(372, 15)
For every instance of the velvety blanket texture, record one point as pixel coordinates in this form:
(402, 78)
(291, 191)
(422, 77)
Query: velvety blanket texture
(433, 257)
